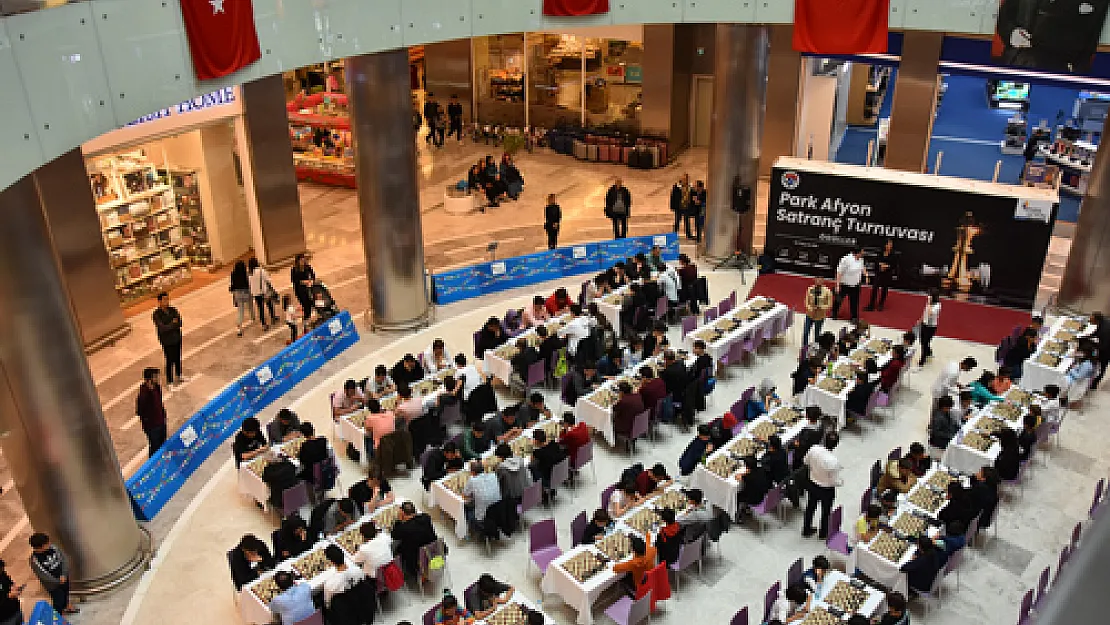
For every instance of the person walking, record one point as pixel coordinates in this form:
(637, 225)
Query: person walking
(929, 320)
(618, 207)
(303, 277)
(151, 411)
(263, 292)
(850, 274)
(241, 294)
(167, 321)
(819, 300)
(824, 477)
(431, 114)
(681, 199)
(698, 208)
(885, 268)
(11, 612)
(51, 566)
(552, 218)
(454, 115)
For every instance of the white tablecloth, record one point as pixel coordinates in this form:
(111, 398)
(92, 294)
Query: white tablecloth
(875, 602)
(719, 348)
(836, 405)
(612, 312)
(882, 570)
(501, 368)
(251, 607)
(1036, 376)
(968, 460)
(601, 418)
(251, 484)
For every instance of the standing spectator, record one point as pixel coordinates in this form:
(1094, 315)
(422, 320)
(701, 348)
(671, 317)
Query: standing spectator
(454, 117)
(681, 199)
(698, 208)
(168, 323)
(151, 411)
(880, 285)
(292, 317)
(263, 292)
(1101, 337)
(241, 294)
(552, 218)
(431, 114)
(618, 207)
(52, 568)
(819, 301)
(303, 277)
(929, 320)
(10, 611)
(850, 274)
(824, 477)
(948, 383)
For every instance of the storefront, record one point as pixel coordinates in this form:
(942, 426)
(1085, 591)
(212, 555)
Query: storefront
(169, 193)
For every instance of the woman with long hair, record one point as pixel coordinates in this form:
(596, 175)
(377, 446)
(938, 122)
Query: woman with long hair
(241, 293)
(263, 292)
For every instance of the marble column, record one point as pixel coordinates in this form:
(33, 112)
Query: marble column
(739, 98)
(388, 193)
(57, 443)
(915, 102)
(1086, 282)
(784, 97)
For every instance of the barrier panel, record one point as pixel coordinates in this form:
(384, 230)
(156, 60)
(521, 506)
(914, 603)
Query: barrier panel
(43, 614)
(160, 477)
(518, 271)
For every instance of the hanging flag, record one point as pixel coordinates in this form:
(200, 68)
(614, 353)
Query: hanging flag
(841, 26)
(222, 37)
(572, 8)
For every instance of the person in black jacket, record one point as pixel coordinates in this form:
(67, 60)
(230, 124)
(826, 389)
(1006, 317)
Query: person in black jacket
(491, 336)
(549, 346)
(922, 570)
(292, 538)
(597, 526)
(313, 450)
(248, 560)
(1021, 350)
(984, 493)
(167, 322)
(407, 371)
(775, 460)
(552, 218)
(412, 531)
(280, 476)
(618, 208)
(454, 117)
(885, 267)
(856, 403)
(668, 542)
(960, 507)
(545, 455)
(440, 462)
(696, 451)
(250, 442)
(674, 375)
(682, 196)
(754, 486)
(1008, 461)
(525, 357)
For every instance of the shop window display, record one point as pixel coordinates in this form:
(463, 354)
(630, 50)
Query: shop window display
(319, 128)
(499, 75)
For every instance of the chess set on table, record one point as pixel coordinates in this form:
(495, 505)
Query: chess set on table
(266, 589)
(820, 616)
(847, 597)
(311, 564)
(926, 498)
(1065, 336)
(745, 447)
(764, 429)
(744, 315)
(1055, 347)
(709, 335)
(386, 517)
(390, 402)
(351, 539)
(728, 324)
(1008, 411)
(456, 481)
(760, 304)
(1019, 396)
(1074, 325)
(673, 499)
(1048, 359)
(878, 346)
(584, 566)
(991, 425)
(832, 385)
(844, 370)
(616, 546)
(860, 356)
(357, 419)
(787, 416)
(509, 614)
(293, 447)
(723, 465)
(644, 520)
(940, 479)
(909, 524)
(258, 465)
(604, 397)
(426, 386)
(889, 546)
(978, 441)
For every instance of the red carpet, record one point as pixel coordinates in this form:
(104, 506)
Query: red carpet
(958, 320)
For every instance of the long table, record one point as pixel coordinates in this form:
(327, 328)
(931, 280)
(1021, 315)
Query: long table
(596, 408)
(717, 476)
(722, 333)
(834, 404)
(966, 458)
(874, 603)
(1054, 355)
(582, 595)
(498, 362)
(250, 472)
(350, 427)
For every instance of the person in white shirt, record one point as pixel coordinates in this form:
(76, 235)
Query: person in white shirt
(948, 383)
(471, 377)
(351, 399)
(668, 282)
(824, 477)
(576, 329)
(436, 357)
(850, 274)
(376, 552)
(340, 577)
(535, 314)
(930, 317)
(1051, 409)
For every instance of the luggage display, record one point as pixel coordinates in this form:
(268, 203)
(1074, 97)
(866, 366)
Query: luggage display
(653, 157)
(615, 152)
(591, 152)
(603, 152)
(580, 152)
(626, 155)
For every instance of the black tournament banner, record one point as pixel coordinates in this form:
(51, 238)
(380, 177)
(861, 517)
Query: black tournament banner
(1051, 35)
(983, 248)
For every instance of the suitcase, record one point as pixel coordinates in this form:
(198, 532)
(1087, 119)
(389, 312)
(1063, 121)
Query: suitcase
(626, 155)
(615, 154)
(663, 153)
(580, 150)
(653, 157)
(603, 153)
(591, 152)
(591, 139)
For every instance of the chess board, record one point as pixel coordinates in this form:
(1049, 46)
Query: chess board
(390, 402)
(860, 356)
(787, 416)
(722, 466)
(266, 589)
(990, 424)
(293, 447)
(844, 370)
(643, 521)
(926, 499)
(1055, 347)
(745, 315)
(709, 335)
(357, 419)
(583, 566)
(846, 597)
(554, 326)
(745, 447)
(1064, 336)
(728, 324)
(978, 441)
(909, 524)
(311, 564)
(386, 517)
(443, 373)
(456, 481)
(820, 616)
(1008, 411)
(761, 304)
(604, 397)
(1019, 396)
(258, 464)
(940, 479)
(492, 461)
(351, 539)
(616, 546)
(426, 386)
(507, 351)
(1048, 359)
(832, 385)
(614, 299)
(509, 614)
(889, 546)
(878, 346)
(764, 429)
(673, 499)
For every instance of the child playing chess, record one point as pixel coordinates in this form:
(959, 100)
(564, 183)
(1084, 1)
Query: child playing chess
(451, 613)
(895, 611)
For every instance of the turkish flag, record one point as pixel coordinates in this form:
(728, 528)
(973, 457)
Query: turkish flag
(841, 26)
(572, 8)
(222, 37)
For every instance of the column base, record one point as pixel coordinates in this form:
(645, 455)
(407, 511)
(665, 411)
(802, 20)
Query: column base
(422, 321)
(138, 563)
(108, 339)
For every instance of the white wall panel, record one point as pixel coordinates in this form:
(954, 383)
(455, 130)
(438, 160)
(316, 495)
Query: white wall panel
(897, 13)
(774, 11)
(719, 10)
(498, 17)
(59, 59)
(427, 21)
(646, 11)
(144, 56)
(19, 143)
(355, 27)
(957, 16)
(291, 34)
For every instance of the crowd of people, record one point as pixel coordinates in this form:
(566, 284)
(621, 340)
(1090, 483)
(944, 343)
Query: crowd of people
(498, 182)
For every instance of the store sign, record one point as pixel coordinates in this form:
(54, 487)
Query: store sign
(199, 103)
(969, 245)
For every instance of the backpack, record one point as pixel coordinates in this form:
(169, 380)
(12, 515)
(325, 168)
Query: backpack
(392, 577)
(561, 364)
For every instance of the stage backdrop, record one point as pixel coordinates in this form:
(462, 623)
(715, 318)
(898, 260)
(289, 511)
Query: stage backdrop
(973, 246)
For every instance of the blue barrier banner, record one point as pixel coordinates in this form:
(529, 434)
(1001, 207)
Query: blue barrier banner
(579, 259)
(160, 477)
(460, 284)
(44, 614)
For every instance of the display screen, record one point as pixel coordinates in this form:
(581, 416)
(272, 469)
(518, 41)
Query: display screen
(1010, 90)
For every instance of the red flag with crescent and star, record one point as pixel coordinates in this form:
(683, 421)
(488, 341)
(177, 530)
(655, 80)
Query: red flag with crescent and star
(222, 37)
(574, 8)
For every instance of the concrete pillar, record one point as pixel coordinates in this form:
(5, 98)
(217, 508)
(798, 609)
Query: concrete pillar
(784, 97)
(266, 154)
(915, 102)
(57, 443)
(388, 194)
(1086, 282)
(740, 91)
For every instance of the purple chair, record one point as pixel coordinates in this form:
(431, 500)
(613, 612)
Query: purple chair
(794, 574)
(769, 599)
(1024, 616)
(953, 565)
(543, 546)
(865, 500)
(420, 359)
(710, 315)
(1018, 481)
(688, 555)
(430, 615)
(741, 617)
(537, 375)
(578, 529)
(689, 323)
(1042, 588)
(880, 399)
(294, 498)
(1065, 554)
(530, 497)
(606, 494)
(316, 618)
(837, 540)
(737, 410)
(626, 611)
(724, 306)
(640, 426)
(744, 398)
(769, 505)
(476, 336)
(560, 473)
(1101, 484)
(802, 353)
(876, 473)
(451, 414)
(734, 356)
(584, 456)
(564, 391)
(662, 307)
(1075, 536)
(895, 454)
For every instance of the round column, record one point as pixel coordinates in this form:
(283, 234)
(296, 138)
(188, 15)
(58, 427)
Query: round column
(63, 461)
(388, 191)
(739, 98)
(1086, 282)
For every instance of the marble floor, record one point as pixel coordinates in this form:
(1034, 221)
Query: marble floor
(188, 581)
